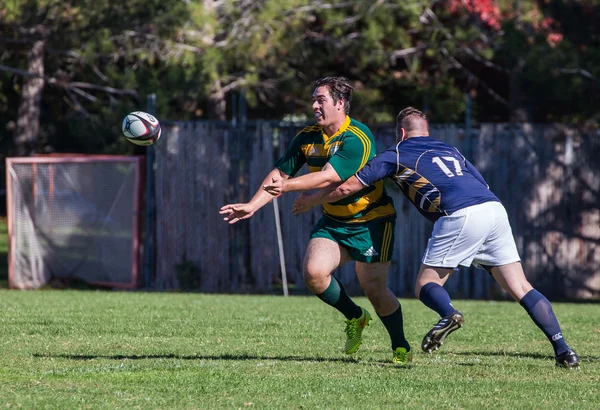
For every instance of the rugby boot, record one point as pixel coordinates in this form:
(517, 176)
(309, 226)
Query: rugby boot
(568, 360)
(354, 329)
(435, 337)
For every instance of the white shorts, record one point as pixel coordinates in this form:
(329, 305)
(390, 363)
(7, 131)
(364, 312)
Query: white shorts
(478, 235)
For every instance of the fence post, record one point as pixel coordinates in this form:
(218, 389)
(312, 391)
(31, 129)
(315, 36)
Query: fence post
(150, 208)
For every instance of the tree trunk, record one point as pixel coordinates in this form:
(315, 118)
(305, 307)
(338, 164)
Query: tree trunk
(28, 120)
(217, 104)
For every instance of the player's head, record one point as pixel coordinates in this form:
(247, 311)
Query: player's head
(331, 99)
(411, 122)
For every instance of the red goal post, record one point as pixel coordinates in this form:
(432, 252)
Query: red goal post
(74, 216)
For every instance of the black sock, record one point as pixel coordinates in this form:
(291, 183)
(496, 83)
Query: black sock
(436, 298)
(394, 324)
(540, 310)
(335, 295)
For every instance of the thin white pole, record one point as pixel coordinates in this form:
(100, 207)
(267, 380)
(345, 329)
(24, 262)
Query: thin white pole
(280, 244)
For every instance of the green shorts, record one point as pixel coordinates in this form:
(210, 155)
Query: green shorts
(368, 242)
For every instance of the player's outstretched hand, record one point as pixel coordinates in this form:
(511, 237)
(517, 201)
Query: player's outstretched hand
(237, 212)
(276, 187)
(303, 204)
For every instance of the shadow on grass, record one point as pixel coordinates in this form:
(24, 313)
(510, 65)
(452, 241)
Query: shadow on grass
(232, 357)
(584, 359)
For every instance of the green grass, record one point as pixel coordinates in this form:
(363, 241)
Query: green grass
(3, 253)
(80, 349)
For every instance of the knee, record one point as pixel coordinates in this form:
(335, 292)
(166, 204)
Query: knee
(420, 284)
(519, 292)
(315, 279)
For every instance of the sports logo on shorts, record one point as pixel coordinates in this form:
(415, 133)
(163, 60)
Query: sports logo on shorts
(370, 252)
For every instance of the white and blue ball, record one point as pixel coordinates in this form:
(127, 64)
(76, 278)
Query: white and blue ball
(141, 128)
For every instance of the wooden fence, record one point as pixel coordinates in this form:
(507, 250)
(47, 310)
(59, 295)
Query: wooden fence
(546, 176)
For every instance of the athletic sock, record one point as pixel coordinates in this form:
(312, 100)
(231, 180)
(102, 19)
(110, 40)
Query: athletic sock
(436, 298)
(394, 324)
(335, 295)
(540, 311)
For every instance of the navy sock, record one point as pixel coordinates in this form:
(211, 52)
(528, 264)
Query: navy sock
(394, 324)
(436, 298)
(540, 310)
(335, 295)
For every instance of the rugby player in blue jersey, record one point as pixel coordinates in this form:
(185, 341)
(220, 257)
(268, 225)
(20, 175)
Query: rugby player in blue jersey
(470, 227)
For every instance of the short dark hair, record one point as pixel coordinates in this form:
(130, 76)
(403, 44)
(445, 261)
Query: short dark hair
(339, 88)
(409, 111)
(412, 120)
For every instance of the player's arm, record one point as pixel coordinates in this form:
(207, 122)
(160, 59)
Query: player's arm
(236, 212)
(313, 180)
(287, 165)
(378, 168)
(348, 159)
(331, 193)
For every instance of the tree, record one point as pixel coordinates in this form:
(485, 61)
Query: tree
(90, 54)
(78, 67)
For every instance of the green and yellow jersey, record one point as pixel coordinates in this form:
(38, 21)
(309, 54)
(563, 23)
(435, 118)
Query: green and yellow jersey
(347, 151)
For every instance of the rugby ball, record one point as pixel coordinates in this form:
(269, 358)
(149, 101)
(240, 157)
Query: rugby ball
(141, 128)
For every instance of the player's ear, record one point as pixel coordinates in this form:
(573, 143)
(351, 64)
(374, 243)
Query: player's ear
(403, 136)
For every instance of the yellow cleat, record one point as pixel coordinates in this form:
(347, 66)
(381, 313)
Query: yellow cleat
(401, 356)
(354, 329)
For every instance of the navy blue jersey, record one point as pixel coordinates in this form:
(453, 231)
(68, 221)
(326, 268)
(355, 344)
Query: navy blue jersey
(433, 175)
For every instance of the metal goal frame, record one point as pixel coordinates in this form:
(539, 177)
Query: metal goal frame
(52, 159)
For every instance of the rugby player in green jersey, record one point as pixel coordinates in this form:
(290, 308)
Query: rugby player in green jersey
(359, 228)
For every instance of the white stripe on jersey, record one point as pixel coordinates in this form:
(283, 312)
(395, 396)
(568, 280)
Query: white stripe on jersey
(406, 174)
(431, 191)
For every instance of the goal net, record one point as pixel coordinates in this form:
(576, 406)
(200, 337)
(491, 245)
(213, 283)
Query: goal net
(73, 217)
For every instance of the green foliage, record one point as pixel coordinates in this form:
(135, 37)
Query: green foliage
(196, 54)
(93, 349)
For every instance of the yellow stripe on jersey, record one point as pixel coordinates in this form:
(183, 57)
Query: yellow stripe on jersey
(415, 186)
(311, 128)
(366, 144)
(358, 206)
(379, 212)
(387, 240)
(435, 205)
(320, 150)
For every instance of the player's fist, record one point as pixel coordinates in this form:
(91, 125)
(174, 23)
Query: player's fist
(276, 187)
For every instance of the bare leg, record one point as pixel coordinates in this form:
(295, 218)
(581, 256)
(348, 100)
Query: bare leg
(322, 257)
(512, 279)
(429, 274)
(373, 280)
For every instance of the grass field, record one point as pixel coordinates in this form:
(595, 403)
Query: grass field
(83, 349)
(3, 253)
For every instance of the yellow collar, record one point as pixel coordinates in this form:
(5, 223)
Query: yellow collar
(343, 128)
